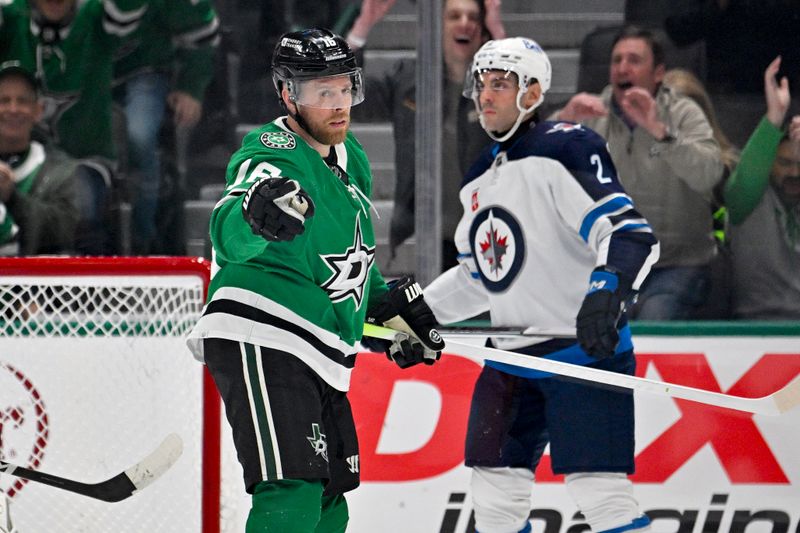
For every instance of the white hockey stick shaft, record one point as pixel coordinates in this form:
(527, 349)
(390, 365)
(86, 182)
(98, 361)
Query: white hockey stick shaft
(116, 488)
(774, 404)
(507, 332)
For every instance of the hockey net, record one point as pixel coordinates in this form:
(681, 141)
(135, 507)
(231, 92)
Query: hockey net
(94, 373)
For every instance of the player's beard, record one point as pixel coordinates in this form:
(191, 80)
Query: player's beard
(323, 133)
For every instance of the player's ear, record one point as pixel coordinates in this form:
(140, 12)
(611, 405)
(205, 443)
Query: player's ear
(532, 94)
(291, 106)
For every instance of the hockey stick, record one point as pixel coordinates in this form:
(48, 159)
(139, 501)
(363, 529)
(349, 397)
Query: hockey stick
(773, 404)
(495, 331)
(118, 487)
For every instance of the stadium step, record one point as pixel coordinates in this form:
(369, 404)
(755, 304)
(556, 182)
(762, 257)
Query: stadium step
(553, 23)
(197, 214)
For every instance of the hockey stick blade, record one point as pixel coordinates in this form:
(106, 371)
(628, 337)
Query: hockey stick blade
(117, 488)
(773, 404)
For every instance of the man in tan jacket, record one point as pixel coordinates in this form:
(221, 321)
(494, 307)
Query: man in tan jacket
(668, 162)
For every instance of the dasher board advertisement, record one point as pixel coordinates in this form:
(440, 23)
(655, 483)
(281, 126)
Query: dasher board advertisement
(698, 468)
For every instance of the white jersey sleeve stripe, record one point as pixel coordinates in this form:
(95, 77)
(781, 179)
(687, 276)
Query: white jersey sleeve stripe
(614, 205)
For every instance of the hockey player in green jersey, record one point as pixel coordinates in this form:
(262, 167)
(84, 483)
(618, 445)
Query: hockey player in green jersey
(294, 279)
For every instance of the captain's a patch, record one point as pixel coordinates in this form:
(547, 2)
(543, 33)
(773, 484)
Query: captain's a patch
(278, 139)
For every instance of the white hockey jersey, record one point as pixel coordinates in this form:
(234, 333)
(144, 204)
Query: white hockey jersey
(541, 211)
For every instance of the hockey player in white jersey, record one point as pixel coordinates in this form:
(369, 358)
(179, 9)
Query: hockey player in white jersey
(548, 239)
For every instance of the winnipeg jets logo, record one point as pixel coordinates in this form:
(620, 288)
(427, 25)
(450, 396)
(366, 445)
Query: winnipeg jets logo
(318, 442)
(494, 248)
(497, 246)
(565, 127)
(349, 270)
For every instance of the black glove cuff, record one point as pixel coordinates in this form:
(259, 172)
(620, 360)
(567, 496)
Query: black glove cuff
(401, 293)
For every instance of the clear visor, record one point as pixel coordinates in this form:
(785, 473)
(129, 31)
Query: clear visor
(477, 81)
(331, 92)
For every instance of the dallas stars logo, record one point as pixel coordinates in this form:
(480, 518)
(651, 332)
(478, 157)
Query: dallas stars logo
(278, 139)
(318, 442)
(350, 270)
(494, 247)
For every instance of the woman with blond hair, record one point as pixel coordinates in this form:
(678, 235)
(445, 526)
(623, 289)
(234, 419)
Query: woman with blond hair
(686, 83)
(718, 304)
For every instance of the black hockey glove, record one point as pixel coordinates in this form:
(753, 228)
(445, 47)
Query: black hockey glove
(276, 208)
(600, 312)
(404, 309)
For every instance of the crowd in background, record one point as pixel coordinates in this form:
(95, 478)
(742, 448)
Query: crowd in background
(103, 101)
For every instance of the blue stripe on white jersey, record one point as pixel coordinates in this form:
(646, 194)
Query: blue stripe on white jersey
(614, 204)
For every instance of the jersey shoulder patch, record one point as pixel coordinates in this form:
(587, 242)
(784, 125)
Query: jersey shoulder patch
(281, 140)
(563, 127)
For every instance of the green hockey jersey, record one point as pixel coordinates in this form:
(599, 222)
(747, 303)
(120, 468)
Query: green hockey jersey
(74, 67)
(175, 36)
(309, 296)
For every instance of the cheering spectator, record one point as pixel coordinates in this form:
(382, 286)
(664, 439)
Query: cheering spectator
(668, 162)
(69, 46)
(763, 199)
(37, 193)
(467, 25)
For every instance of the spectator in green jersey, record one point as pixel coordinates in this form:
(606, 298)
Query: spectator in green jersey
(69, 46)
(169, 60)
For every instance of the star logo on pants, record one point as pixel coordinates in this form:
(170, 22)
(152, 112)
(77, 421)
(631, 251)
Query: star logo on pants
(318, 442)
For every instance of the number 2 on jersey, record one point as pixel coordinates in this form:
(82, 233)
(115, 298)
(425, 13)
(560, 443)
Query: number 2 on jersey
(595, 160)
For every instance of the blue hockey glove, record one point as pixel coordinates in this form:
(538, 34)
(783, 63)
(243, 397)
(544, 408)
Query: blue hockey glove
(276, 208)
(404, 309)
(600, 313)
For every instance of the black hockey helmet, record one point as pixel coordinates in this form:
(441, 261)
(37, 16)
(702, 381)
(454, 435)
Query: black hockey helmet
(312, 54)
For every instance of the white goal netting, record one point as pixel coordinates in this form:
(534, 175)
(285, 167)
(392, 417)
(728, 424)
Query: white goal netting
(94, 373)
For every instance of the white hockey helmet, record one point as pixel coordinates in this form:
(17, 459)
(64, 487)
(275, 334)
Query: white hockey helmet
(520, 55)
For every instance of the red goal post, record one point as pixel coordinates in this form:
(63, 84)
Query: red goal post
(93, 371)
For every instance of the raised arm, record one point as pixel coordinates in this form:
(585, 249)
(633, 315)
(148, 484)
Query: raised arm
(372, 12)
(493, 20)
(747, 183)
